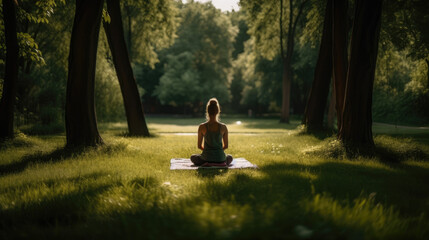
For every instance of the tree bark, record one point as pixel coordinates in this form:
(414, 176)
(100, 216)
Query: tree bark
(81, 122)
(287, 59)
(133, 106)
(315, 109)
(331, 109)
(339, 54)
(7, 101)
(286, 83)
(356, 127)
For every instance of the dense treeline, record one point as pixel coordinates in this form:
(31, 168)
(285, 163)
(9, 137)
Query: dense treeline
(184, 53)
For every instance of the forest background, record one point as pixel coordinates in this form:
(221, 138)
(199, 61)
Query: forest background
(182, 54)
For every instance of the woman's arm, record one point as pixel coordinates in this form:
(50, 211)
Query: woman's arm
(225, 138)
(200, 137)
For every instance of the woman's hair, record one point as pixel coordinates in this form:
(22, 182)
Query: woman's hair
(212, 109)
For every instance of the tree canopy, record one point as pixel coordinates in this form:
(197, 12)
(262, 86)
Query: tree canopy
(199, 64)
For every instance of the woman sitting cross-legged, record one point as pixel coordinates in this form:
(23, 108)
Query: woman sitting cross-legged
(215, 135)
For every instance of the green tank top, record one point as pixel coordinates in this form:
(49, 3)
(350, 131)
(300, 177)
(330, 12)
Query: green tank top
(213, 149)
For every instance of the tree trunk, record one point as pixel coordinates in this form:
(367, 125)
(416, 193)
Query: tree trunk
(339, 54)
(81, 122)
(331, 109)
(133, 106)
(286, 83)
(7, 102)
(356, 127)
(315, 109)
(287, 67)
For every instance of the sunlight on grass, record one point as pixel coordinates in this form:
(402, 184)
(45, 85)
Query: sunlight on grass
(363, 215)
(304, 187)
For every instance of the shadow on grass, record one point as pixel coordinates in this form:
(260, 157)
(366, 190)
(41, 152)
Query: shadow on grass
(388, 155)
(387, 150)
(270, 206)
(51, 183)
(276, 199)
(418, 137)
(58, 214)
(320, 134)
(59, 154)
(211, 173)
(40, 157)
(63, 209)
(17, 142)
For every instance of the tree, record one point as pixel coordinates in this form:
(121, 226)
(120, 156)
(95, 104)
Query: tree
(315, 109)
(267, 25)
(149, 26)
(81, 123)
(133, 106)
(7, 102)
(180, 82)
(339, 54)
(356, 127)
(199, 63)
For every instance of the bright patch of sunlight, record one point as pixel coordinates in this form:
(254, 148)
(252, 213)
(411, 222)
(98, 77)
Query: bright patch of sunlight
(364, 213)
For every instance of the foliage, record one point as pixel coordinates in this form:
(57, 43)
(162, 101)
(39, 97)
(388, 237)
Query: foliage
(263, 77)
(405, 25)
(212, 55)
(205, 45)
(238, 19)
(41, 88)
(109, 192)
(312, 32)
(108, 98)
(179, 84)
(28, 13)
(149, 27)
(263, 19)
(399, 88)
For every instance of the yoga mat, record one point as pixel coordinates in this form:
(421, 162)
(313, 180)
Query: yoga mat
(186, 164)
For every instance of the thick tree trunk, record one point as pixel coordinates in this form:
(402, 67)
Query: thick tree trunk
(315, 109)
(133, 106)
(339, 54)
(286, 83)
(7, 102)
(81, 122)
(331, 110)
(356, 127)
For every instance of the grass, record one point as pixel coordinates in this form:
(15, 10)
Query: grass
(305, 187)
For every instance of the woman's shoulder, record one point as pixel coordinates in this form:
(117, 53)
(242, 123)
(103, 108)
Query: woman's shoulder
(202, 125)
(222, 125)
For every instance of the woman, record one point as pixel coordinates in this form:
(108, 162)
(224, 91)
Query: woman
(215, 135)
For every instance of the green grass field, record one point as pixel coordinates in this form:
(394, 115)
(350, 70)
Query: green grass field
(305, 188)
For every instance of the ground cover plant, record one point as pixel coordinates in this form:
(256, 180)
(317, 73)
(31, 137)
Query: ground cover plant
(306, 187)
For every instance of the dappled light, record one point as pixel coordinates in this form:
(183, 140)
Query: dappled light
(299, 185)
(199, 119)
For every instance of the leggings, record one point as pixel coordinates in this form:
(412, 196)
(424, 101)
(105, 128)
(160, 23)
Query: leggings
(198, 161)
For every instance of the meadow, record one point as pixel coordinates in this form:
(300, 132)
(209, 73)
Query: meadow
(306, 187)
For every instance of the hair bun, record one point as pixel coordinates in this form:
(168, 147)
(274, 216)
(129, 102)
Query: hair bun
(213, 102)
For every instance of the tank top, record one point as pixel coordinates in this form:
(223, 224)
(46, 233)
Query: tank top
(213, 149)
